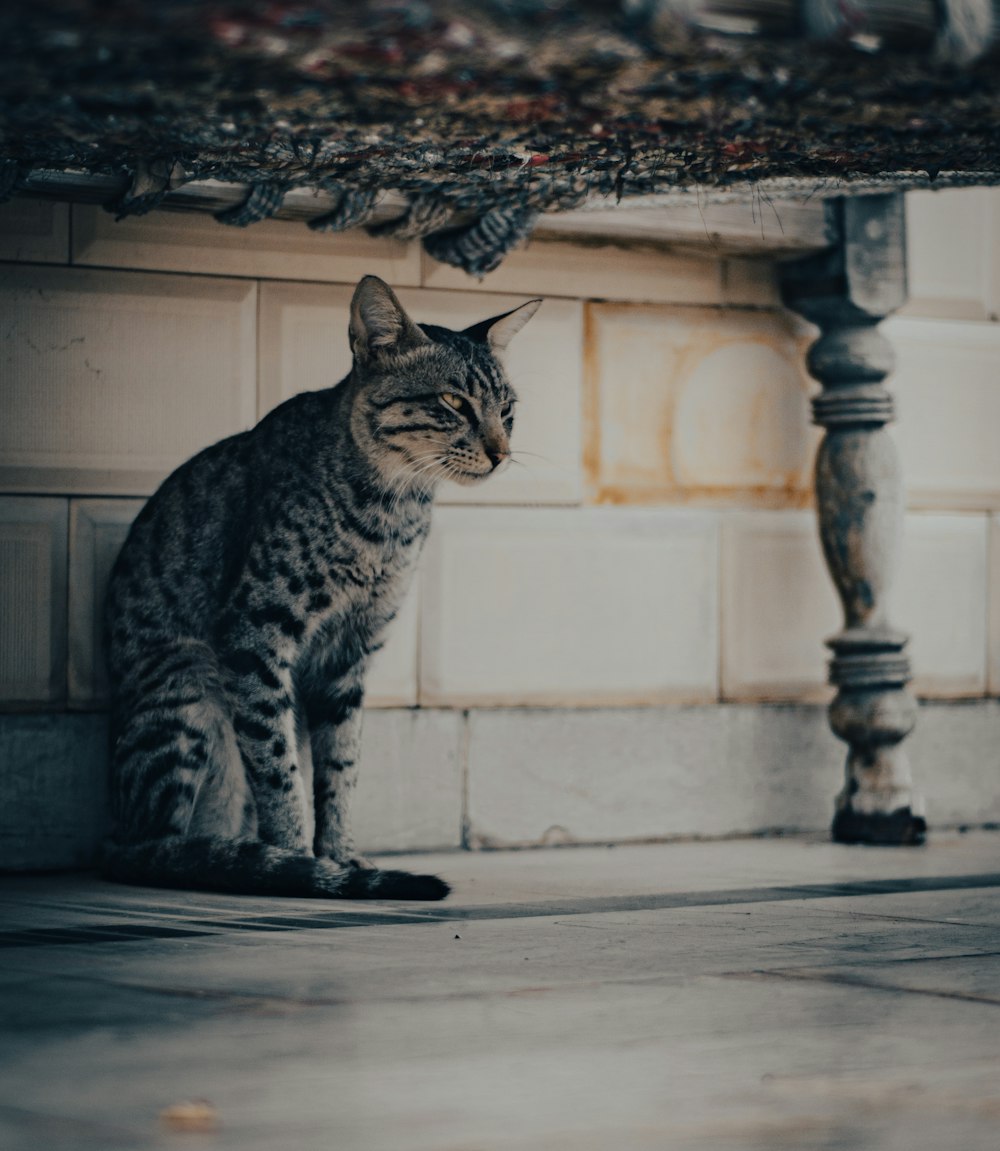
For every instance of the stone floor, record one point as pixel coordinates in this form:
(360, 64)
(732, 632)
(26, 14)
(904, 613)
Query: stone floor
(748, 994)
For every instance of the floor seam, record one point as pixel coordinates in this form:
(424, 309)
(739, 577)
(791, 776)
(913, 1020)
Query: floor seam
(376, 915)
(848, 980)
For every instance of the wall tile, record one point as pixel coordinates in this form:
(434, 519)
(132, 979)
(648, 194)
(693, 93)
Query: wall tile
(303, 346)
(953, 253)
(113, 379)
(32, 599)
(604, 776)
(302, 340)
(97, 530)
(597, 270)
(544, 607)
(557, 776)
(994, 658)
(955, 752)
(940, 599)
(54, 782)
(410, 788)
(34, 230)
(779, 605)
(275, 249)
(945, 383)
(537, 776)
(697, 405)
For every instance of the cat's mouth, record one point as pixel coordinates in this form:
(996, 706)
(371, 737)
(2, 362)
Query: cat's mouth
(466, 478)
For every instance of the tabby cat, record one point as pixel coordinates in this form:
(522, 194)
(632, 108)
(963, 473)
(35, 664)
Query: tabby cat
(250, 593)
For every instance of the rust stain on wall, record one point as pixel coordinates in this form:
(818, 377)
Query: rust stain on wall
(700, 433)
(591, 448)
(753, 498)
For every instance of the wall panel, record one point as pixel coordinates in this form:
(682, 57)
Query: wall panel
(111, 380)
(32, 600)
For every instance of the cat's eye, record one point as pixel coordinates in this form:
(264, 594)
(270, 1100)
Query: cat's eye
(458, 403)
(507, 410)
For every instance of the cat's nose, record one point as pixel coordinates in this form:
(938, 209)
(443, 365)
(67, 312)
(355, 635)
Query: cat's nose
(497, 456)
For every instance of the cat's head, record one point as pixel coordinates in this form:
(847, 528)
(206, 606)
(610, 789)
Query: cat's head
(431, 403)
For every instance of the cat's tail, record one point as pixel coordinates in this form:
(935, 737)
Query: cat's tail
(248, 867)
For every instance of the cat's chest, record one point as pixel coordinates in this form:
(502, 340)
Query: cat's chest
(345, 624)
(366, 584)
(379, 567)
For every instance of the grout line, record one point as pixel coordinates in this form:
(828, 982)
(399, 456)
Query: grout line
(62, 695)
(720, 606)
(465, 743)
(420, 580)
(992, 602)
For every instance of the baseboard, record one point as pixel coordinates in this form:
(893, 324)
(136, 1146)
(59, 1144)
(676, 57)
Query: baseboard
(438, 778)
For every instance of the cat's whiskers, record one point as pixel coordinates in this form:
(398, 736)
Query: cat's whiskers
(563, 469)
(536, 455)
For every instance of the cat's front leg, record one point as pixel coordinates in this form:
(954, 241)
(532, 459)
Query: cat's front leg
(259, 686)
(334, 712)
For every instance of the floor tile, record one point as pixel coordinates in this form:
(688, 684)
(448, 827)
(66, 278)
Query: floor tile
(834, 1020)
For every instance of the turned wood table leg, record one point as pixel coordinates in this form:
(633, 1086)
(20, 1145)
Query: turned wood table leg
(847, 290)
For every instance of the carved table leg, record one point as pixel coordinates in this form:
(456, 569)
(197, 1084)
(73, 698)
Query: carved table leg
(847, 290)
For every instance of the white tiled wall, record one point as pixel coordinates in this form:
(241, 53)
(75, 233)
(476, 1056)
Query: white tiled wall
(110, 380)
(54, 770)
(940, 600)
(953, 253)
(671, 383)
(778, 604)
(563, 777)
(111, 377)
(545, 606)
(947, 387)
(994, 606)
(410, 786)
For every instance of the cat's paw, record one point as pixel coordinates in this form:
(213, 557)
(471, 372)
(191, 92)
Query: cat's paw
(406, 885)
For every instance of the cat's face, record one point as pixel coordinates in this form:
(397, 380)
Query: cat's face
(436, 404)
(446, 410)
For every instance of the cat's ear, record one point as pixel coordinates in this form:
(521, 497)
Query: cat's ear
(378, 323)
(499, 331)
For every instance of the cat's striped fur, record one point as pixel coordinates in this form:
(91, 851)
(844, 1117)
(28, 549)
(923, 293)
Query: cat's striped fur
(250, 593)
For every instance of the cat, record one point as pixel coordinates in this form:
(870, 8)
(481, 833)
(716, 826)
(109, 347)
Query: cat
(251, 591)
